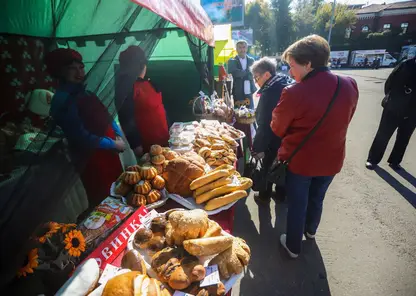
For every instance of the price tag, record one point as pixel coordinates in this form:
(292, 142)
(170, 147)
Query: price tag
(180, 293)
(212, 276)
(147, 219)
(109, 272)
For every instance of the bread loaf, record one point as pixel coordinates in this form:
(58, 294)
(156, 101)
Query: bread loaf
(214, 229)
(210, 186)
(225, 189)
(225, 200)
(208, 178)
(208, 246)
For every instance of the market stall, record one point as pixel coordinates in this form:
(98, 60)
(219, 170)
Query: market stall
(173, 37)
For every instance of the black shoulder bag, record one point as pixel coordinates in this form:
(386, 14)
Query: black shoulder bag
(277, 173)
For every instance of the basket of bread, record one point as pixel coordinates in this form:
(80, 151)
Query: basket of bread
(143, 184)
(179, 246)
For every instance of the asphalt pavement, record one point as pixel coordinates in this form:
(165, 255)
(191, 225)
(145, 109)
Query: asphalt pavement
(366, 243)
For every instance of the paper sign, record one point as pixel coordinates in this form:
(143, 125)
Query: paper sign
(147, 219)
(179, 293)
(212, 276)
(109, 272)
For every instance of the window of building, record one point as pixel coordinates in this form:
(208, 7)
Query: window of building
(386, 27)
(404, 27)
(347, 34)
(365, 29)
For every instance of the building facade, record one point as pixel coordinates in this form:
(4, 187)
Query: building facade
(398, 17)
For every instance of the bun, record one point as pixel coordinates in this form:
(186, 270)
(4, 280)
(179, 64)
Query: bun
(142, 238)
(208, 246)
(123, 189)
(159, 168)
(134, 261)
(158, 159)
(210, 161)
(133, 284)
(131, 178)
(156, 150)
(184, 225)
(153, 196)
(145, 158)
(232, 260)
(133, 168)
(143, 187)
(158, 183)
(137, 200)
(148, 172)
(169, 155)
(205, 152)
(158, 224)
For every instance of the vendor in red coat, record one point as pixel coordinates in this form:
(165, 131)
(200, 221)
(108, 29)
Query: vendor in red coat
(141, 112)
(93, 136)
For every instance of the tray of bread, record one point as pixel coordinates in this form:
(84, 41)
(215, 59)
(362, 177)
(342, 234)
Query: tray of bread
(215, 191)
(144, 184)
(187, 252)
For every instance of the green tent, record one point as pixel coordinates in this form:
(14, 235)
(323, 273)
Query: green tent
(176, 36)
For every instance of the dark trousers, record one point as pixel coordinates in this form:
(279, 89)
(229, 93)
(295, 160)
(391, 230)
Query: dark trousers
(269, 157)
(305, 197)
(388, 124)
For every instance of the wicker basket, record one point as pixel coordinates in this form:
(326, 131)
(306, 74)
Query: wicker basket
(246, 120)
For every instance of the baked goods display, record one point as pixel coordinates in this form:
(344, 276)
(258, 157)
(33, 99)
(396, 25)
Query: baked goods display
(180, 172)
(220, 187)
(178, 246)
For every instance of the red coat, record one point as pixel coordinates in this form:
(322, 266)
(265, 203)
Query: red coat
(300, 108)
(150, 115)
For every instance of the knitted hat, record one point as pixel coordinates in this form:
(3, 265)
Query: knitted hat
(59, 58)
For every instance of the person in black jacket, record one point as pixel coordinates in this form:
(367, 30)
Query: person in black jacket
(399, 113)
(266, 143)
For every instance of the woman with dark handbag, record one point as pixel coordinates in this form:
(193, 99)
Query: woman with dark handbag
(399, 113)
(312, 119)
(266, 144)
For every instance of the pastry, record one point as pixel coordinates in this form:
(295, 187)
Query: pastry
(148, 172)
(158, 183)
(142, 238)
(207, 246)
(158, 159)
(208, 178)
(221, 201)
(133, 168)
(213, 290)
(156, 150)
(145, 158)
(179, 274)
(210, 161)
(123, 189)
(143, 187)
(214, 229)
(202, 143)
(169, 155)
(159, 168)
(153, 196)
(232, 260)
(205, 152)
(184, 225)
(137, 200)
(179, 174)
(156, 243)
(158, 224)
(131, 178)
(134, 261)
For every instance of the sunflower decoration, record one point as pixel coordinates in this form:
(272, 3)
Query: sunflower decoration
(66, 227)
(74, 243)
(47, 231)
(31, 263)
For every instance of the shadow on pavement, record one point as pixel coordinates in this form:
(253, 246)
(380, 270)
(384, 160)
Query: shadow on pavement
(271, 272)
(399, 187)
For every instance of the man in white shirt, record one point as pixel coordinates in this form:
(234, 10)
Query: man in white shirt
(243, 83)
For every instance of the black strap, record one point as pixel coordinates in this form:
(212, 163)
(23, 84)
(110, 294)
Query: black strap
(308, 136)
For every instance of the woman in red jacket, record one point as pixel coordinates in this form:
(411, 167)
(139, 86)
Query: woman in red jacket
(141, 111)
(301, 106)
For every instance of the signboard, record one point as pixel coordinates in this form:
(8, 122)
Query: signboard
(225, 11)
(342, 55)
(246, 35)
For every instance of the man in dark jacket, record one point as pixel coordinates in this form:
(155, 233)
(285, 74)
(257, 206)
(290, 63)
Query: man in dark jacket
(266, 143)
(239, 68)
(399, 113)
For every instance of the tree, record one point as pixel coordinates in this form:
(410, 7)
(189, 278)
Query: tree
(258, 17)
(284, 24)
(304, 18)
(344, 18)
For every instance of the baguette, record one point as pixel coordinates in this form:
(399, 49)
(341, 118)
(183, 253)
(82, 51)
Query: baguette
(208, 246)
(208, 178)
(228, 167)
(246, 183)
(225, 200)
(216, 192)
(216, 184)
